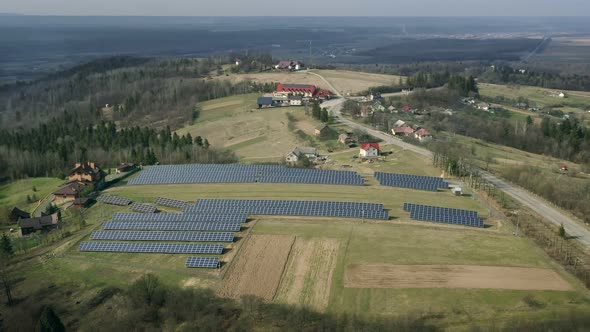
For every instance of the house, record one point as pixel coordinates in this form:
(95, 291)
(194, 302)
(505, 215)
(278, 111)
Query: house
(289, 65)
(44, 223)
(369, 150)
(400, 123)
(377, 107)
(68, 192)
(561, 95)
(448, 111)
(483, 106)
(303, 90)
(322, 94)
(374, 96)
(402, 131)
(422, 135)
(125, 167)
(563, 168)
(238, 61)
(366, 111)
(323, 131)
(16, 214)
(391, 108)
(86, 172)
(295, 100)
(407, 108)
(295, 155)
(264, 102)
(457, 191)
(522, 106)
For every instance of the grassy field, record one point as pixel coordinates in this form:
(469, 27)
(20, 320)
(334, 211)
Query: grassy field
(255, 135)
(15, 193)
(351, 82)
(577, 102)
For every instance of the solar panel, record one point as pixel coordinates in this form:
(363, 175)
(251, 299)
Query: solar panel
(169, 202)
(172, 226)
(240, 173)
(428, 183)
(202, 262)
(238, 217)
(444, 215)
(114, 200)
(163, 248)
(163, 236)
(290, 207)
(143, 208)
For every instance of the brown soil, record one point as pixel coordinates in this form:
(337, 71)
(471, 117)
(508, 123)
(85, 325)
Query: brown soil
(308, 277)
(213, 106)
(452, 276)
(258, 268)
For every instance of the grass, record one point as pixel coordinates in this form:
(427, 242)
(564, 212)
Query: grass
(15, 193)
(410, 244)
(351, 82)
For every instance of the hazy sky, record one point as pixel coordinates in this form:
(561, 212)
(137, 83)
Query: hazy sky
(300, 7)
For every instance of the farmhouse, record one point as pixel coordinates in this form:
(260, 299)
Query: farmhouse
(86, 172)
(483, 106)
(402, 131)
(423, 135)
(125, 167)
(369, 150)
(44, 223)
(298, 152)
(16, 214)
(68, 192)
(323, 131)
(289, 65)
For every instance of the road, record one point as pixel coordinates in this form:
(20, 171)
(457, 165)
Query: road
(542, 207)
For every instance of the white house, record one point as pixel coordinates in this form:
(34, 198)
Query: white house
(369, 150)
(293, 156)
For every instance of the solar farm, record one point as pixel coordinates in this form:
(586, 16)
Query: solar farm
(428, 183)
(238, 173)
(444, 215)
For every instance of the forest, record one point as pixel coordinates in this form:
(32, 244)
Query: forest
(50, 149)
(158, 92)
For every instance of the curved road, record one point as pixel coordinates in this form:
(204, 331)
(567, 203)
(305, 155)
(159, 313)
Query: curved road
(542, 207)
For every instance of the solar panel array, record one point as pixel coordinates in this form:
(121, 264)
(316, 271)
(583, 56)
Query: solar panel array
(429, 183)
(202, 262)
(169, 202)
(290, 208)
(163, 236)
(143, 208)
(237, 218)
(163, 248)
(172, 226)
(444, 215)
(114, 200)
(240, 173)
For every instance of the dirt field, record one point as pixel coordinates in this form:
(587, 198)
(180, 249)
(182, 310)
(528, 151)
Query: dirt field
(452, 276)
(258, 268)
(308, 277)
(352, 82)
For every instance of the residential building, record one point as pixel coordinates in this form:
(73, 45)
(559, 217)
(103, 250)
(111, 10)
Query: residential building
(484, 106)
(303, 90)
(323, 131)
(125, 167)
(68, 192)
(16, 214)
(86, 172)
(366, 111)
(346, 138)
(43, 223)
(369, 150)
(295, 100)
(400, 123)
(295, 155)
(402, 131)
(290, 65)
(423, 135)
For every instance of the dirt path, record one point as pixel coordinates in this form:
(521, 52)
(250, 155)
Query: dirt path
(258, 268)
(452, 276)
(307, 280)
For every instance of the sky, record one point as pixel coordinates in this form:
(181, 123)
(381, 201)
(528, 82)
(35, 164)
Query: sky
(298, 8)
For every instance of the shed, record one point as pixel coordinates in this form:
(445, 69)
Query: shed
(264, 102)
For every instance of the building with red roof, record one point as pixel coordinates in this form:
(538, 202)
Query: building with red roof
(369, 150)
(423, 135)
(402, 131)
(407, 108)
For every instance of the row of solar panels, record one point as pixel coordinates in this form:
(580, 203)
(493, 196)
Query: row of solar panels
(169, 202)
(224, 217)
(163, 236)
(213, 202)
(231, 173)
(162, 248)
(428, 183)
(444, 215)
(172, 226)
(114, 200)
(143, 208)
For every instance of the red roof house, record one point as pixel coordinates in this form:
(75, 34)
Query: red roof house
(404, 131)
(369, 150)
(407, 108)
(422, 134)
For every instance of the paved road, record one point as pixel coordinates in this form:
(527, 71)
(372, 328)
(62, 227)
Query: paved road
(542, 207)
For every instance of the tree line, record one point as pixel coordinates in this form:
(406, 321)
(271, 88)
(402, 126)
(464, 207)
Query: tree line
(503, 74)
(53, 147)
